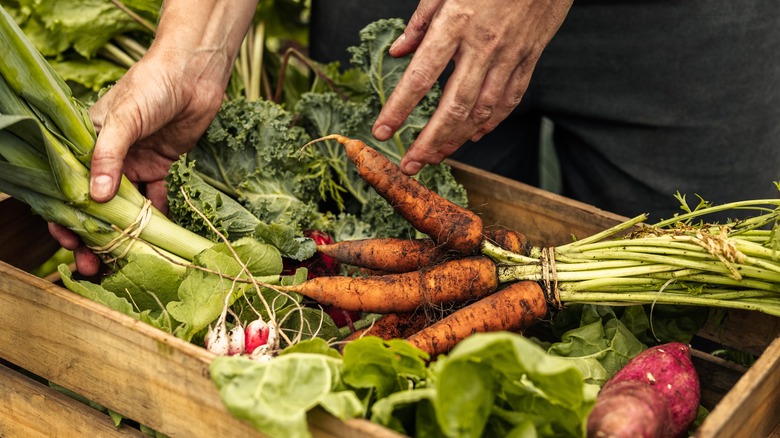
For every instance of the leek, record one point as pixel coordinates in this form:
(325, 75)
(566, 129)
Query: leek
(46, 143)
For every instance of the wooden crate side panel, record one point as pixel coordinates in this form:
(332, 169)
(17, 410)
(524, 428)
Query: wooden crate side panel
(121, 363)
(752, 407)
(545, 218)
(29, 408)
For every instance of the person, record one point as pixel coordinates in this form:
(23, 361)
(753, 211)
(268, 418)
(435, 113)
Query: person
(647, 98)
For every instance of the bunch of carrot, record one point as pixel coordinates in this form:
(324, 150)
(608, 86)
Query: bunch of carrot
(495, 281)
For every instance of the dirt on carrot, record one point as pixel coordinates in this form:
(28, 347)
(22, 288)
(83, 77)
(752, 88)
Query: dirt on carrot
(454, 281)
(445, 222)
(513, 308)
(508, 239)
(387, 254)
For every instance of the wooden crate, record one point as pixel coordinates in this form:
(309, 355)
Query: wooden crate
(162, 382)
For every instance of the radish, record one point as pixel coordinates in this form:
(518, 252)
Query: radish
(236, 341)
(318, 265)
(216, 340)
(655, 395)
(256, 335)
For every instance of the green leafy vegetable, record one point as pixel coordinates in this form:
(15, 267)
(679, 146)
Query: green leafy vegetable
(494, 382)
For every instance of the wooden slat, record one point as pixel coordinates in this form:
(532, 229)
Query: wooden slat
(121, 363)
(743, 330)
(29, 409)
(716, 377)
(24, 239)
(752, 407)
(545, 218)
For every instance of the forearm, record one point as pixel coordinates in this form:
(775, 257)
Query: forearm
(202, 37)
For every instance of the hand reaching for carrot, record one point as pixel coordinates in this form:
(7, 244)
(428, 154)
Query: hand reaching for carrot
(495, 45)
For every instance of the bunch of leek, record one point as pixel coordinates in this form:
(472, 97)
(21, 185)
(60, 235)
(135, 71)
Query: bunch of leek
(46, 142)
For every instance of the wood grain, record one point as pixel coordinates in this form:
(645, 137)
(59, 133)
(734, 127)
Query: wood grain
(29, 408)
(123, 364)
(752, 407)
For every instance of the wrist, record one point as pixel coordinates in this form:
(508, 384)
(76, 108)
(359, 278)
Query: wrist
(201, 38)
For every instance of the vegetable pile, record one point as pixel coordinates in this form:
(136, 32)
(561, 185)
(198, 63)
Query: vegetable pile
(287, 240)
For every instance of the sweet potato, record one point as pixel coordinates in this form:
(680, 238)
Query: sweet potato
(665, 369)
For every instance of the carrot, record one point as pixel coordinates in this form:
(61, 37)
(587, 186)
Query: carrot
(443, 221)
(458, 280)
(515, 307)
(393, 326)
(386, 254)
(508, 239)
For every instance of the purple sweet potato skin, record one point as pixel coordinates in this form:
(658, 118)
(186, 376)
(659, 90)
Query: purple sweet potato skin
(630, 409)
(668, 370)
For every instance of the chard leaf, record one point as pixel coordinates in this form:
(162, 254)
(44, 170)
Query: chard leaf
(547, 387)
(467, 414)
(96, 293)
(93, 73)
(286, 240)
(87, 25)
(275, 396)
(147, 281)
(371, 363)
(203, 294)
(602, 344)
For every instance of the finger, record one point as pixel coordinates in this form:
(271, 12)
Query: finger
(120, 129)
(422, 72)
(87, 263)
(415, 29)
(65, 237)
(157, 192)
(492, 92)
(510, 98)
(453, 115)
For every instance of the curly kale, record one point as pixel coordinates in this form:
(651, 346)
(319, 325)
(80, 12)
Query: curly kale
(253, 153)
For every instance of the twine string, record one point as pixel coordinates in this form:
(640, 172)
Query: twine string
(131, 234)
(550, 278)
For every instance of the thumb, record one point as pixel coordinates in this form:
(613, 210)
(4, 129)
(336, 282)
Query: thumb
(116, 135)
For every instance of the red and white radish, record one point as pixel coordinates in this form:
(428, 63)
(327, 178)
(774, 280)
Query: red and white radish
(236, 341)
(256, 335)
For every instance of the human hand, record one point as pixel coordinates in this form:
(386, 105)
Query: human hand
(162, 105)
(155, 113)
(495, 45)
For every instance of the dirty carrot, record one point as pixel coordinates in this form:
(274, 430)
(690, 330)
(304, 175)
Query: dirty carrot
(515, 307)
(508, 239)
(459, 280)
(386, 254)
(393, 326)
(442, 220)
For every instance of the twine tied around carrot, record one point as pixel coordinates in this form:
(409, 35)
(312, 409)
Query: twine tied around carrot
(550, 277)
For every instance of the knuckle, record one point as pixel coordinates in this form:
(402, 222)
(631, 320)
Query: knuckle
(420, 80)
(482, 112)
(457, 111)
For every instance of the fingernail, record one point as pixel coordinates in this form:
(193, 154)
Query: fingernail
(397, 42)
(412, 167)
(383, 132)
(101, 187)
